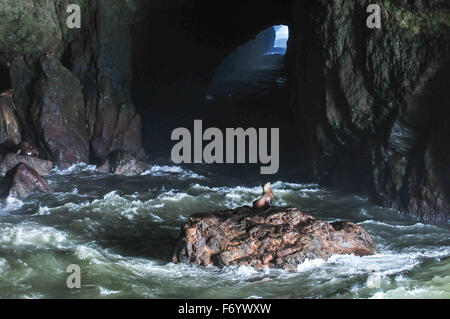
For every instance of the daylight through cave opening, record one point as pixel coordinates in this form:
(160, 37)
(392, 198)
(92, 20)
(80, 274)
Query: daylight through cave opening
(255, 65)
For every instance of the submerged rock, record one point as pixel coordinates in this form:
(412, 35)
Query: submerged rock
(42, 167)
(123, 163)
(278, 237)
(21, 181)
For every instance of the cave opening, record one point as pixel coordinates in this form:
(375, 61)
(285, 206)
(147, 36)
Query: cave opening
(253, 68)
(225, 76)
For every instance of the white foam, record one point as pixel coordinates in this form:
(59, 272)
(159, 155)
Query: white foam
(142, 267)
(107, 292)
(76, 168)
(165, 170)
(43, 211)
(245, 195)
(384, 264)
(412, 293)
(87, 253)
(173, 196)
(246, 271)
(11, 204)
(31, 234)
(156, 218)
(4, 265)
(403, 227)
(310, 264)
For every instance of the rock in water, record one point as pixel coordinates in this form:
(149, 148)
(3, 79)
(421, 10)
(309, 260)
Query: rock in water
(278, 237)
(266, 199)
(123, 163)
(42, 167)
(21, 181)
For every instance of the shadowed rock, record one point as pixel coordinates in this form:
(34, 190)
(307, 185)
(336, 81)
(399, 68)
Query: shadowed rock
(54, 112)
(21, 181)
(123, 163)
(278, 237)
(9, 124)
(42, 167)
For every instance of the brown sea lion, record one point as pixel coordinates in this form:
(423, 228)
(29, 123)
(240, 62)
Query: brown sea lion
(25, 148)
(7, 93)
(266, 199)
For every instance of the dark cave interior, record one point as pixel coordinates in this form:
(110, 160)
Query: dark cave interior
(222, 68)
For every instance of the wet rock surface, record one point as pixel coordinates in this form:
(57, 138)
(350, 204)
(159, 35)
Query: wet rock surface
(42, 167)
(21, 181)
(377, 103)
(123, 163)
(53, 112)
(72, 86)
(279, 237)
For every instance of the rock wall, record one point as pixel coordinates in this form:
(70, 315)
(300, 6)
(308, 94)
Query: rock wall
(72, 86)
(9, 124)
(375, 101)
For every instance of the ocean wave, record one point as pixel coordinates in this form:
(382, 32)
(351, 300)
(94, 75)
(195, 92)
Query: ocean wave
(4, 265)
(94, 255)
(195, 198)
(76, 168)
(95, 230)
(418, 292)
(417, 226)
(11, 204)
(157, 170)
(310, 264)
(33, 234)
(245, 195)
(384, 264)
(108, 292)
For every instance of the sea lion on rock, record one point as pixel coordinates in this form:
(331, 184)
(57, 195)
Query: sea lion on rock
(266, 199)
(25, 148)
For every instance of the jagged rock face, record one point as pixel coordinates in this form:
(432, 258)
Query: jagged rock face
(101, 58)
(277, 237)
(9, 125)
(21, 181)
(42, 167)
(122, 163)
(96, 61)
(375, 101)
(55, 115)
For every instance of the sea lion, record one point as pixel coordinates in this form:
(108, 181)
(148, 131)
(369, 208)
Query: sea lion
(266, 199)
(25, 148)
(7, 93)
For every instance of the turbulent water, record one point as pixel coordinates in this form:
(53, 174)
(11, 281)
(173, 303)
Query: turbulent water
(122, 231)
